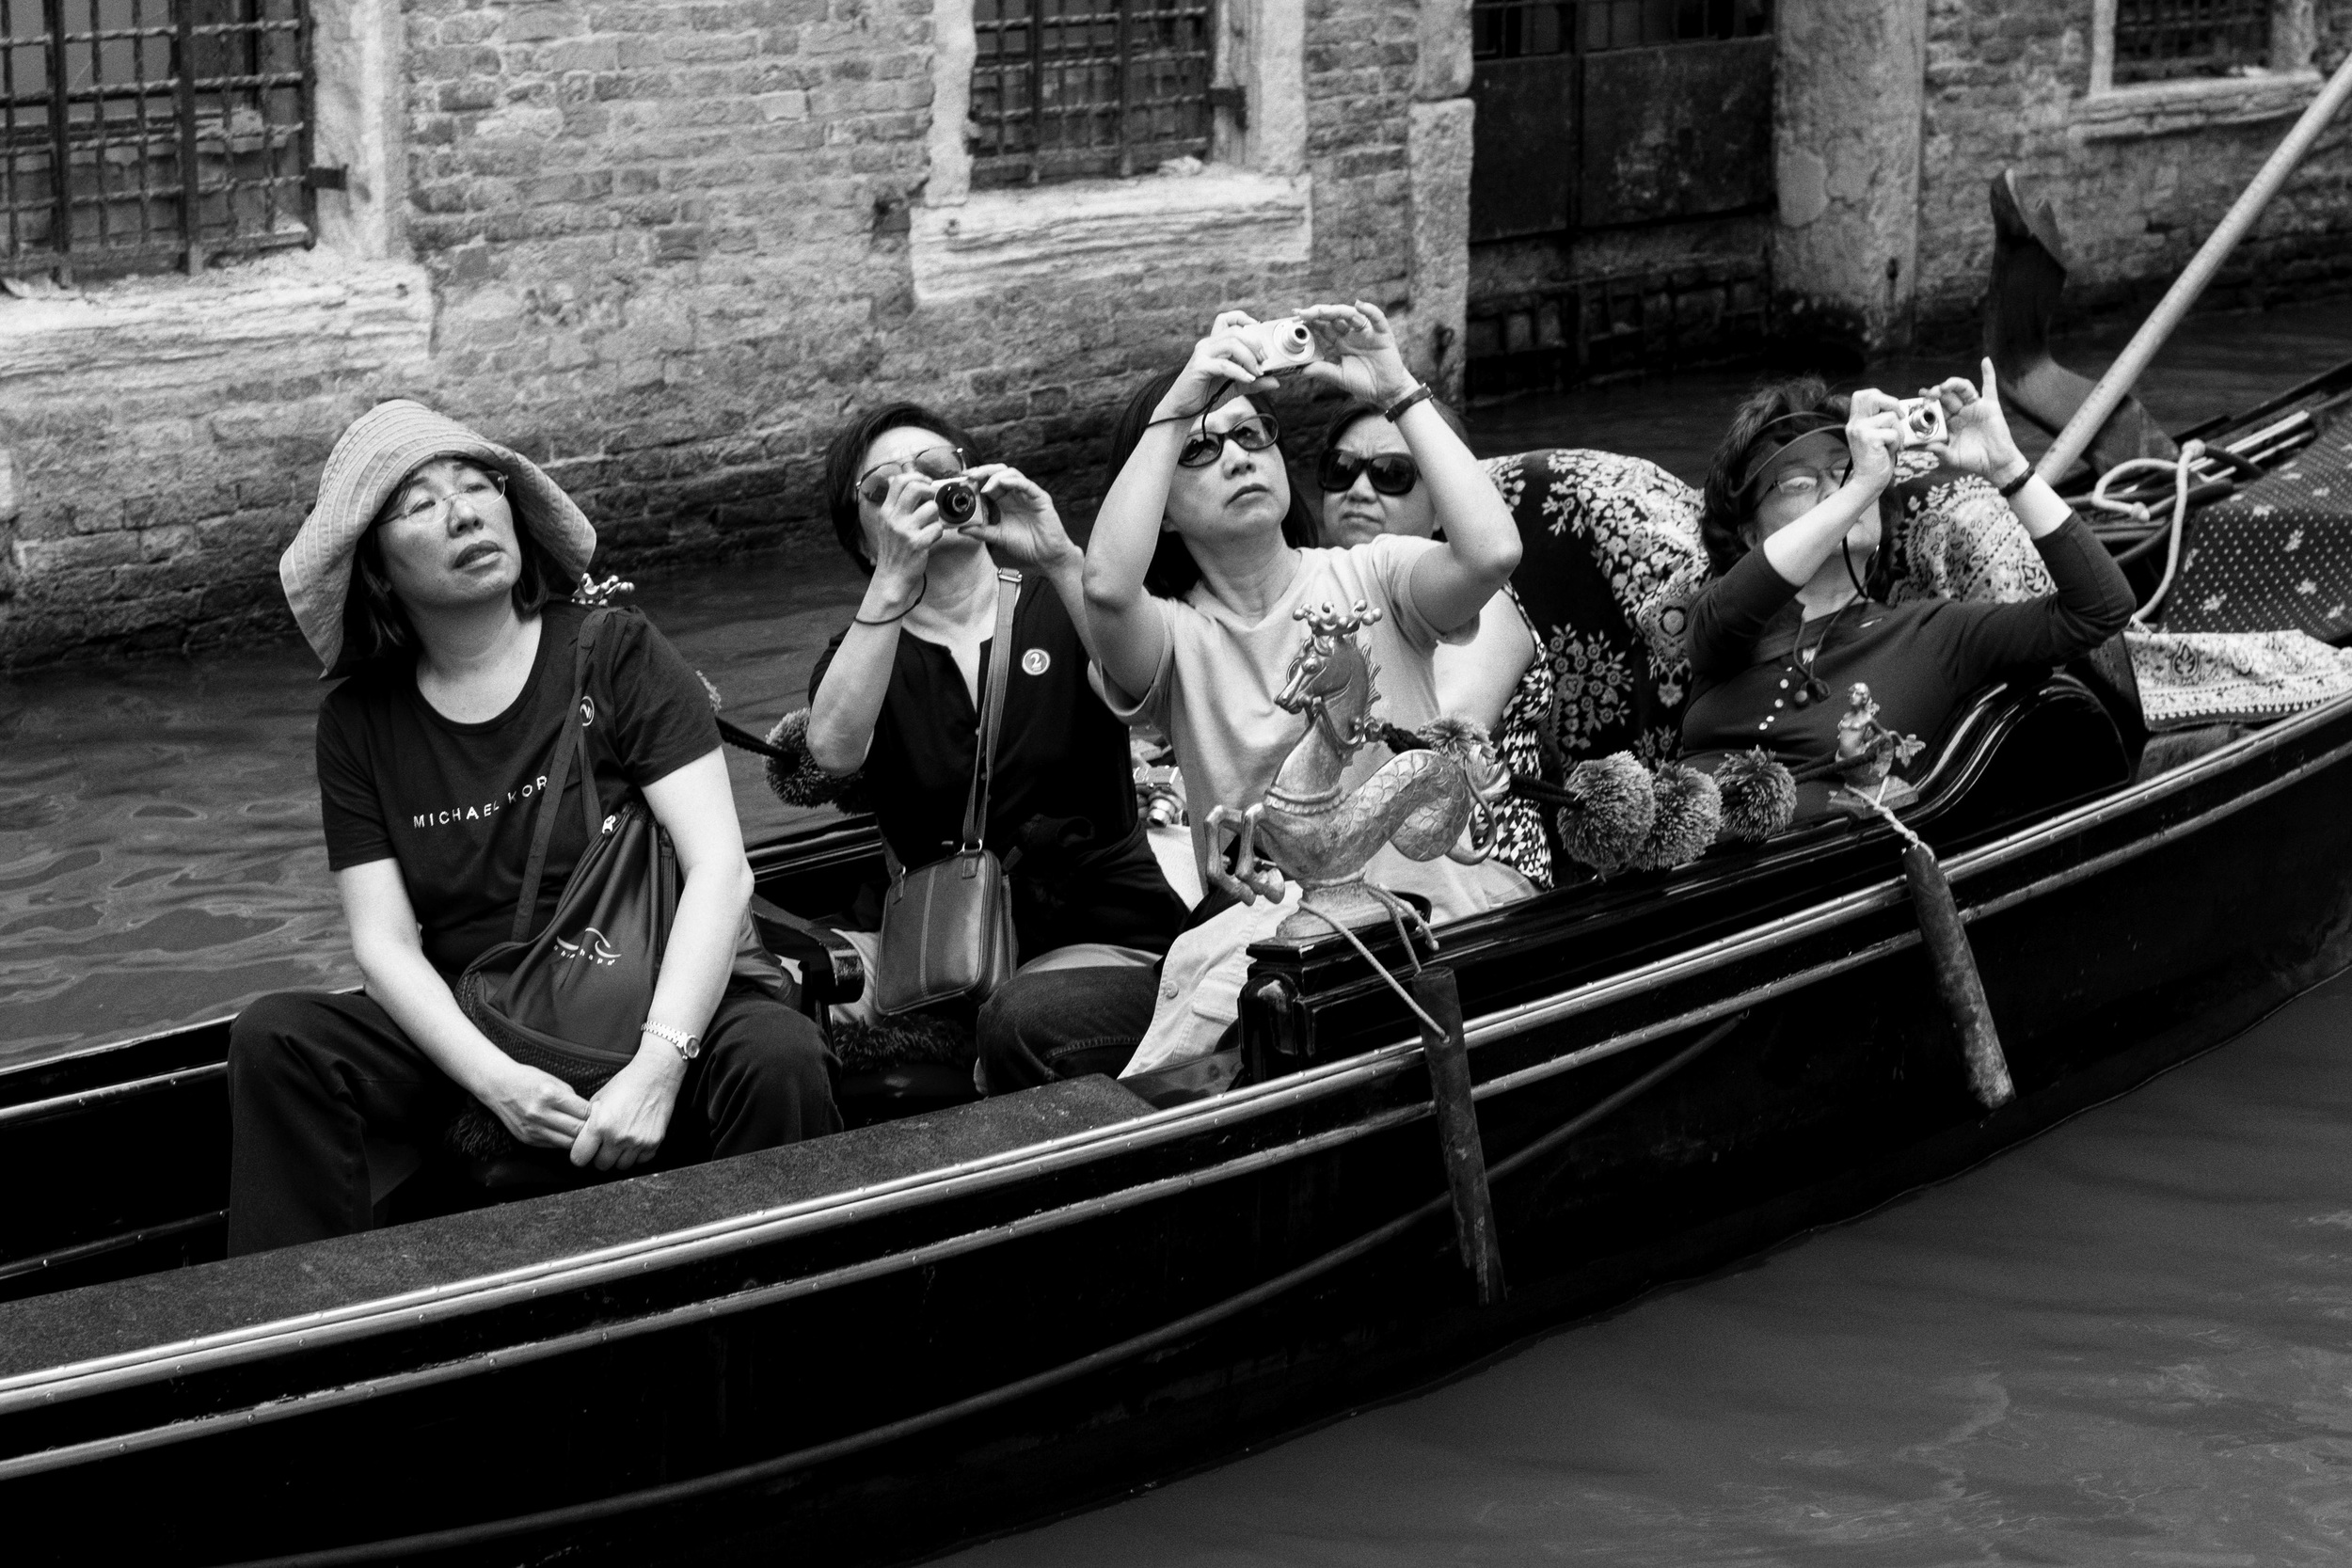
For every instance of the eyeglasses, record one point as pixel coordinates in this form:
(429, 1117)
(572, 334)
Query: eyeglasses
(478, 485)
(1807, 485)
(1254, 433)
(1392, 473)
(873, 485)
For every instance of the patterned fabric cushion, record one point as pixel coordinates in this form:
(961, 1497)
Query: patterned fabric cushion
(1607, 543)
(2275, 555)
(1951, 536)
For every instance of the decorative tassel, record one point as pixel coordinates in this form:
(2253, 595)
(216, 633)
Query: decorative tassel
(801, 782)
(1690, 813)
(1612, 808)
(1758, 796)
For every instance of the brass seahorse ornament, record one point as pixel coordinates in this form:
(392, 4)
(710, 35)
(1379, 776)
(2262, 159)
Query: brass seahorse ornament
(1322, 835)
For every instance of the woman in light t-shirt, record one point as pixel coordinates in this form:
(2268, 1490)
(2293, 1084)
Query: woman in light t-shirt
(1192, 579)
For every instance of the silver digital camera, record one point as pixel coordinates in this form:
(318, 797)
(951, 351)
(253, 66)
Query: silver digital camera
(961, 504)
(1282, 345)
(1923, 420)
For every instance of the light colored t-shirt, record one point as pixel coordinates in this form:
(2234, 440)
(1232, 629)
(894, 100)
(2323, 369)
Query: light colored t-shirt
(1220, 673)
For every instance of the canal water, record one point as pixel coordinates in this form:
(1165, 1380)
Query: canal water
(2129, 1343)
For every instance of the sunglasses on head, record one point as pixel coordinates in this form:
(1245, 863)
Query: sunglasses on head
(873, 485)
(1254, 433)
(1392, 473)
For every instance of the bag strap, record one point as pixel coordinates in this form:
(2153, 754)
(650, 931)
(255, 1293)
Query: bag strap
(992, 712)
(559, 773)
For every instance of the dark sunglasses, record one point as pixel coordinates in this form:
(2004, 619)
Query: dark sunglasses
(1254, 433)
(1392, 473)
(873, 485)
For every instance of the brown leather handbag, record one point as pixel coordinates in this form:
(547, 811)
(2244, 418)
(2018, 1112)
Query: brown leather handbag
(571, 999)
(947, 928)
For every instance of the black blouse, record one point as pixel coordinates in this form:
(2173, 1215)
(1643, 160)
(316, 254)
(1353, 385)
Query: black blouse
(1063, 797)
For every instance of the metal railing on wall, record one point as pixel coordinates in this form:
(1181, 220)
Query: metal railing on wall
(1069, 89)
(145, 135)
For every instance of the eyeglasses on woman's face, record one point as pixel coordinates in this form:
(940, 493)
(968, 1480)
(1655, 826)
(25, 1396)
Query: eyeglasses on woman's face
(1204, 445)
(419, 505)
(1807, 485)
(1392, 472)
(873, 485)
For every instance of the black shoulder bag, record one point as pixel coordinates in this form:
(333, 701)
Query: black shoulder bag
(571, 999)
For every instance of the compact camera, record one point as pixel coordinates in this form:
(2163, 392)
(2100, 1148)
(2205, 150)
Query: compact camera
(1282, 345)
(1923, 420)
(961, 504)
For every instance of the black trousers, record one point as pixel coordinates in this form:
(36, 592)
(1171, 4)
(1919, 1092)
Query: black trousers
(312, 1075)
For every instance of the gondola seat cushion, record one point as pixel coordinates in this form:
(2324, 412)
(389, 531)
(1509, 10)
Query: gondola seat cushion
(1610, 554)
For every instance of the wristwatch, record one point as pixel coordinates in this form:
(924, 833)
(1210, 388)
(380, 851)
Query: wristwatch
(688, 1046)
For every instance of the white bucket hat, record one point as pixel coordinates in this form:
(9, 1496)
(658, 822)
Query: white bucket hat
(383, 446)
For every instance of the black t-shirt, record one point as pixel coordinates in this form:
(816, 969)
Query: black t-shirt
(1059, 752)
(455, 804)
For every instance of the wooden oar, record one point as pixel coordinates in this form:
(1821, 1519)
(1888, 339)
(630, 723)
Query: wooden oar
(2076, 437)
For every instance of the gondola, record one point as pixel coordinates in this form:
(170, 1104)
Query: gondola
(959, 1317)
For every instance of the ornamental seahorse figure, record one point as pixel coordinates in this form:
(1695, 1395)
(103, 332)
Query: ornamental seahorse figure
(1322, 835)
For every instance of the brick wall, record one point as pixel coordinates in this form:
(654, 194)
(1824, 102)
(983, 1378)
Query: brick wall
(2002, 76)
(664, 250)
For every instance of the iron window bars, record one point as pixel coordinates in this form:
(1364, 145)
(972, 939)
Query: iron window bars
(2162, 40)
(1516, 30)
(137, 134)
(1066, 89)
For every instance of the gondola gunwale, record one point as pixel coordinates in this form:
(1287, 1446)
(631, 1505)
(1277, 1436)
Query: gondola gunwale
(44, 1386)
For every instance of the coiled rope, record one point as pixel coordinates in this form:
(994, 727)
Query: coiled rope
(2184, 478)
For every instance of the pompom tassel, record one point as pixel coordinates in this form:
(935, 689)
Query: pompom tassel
(1615, 806)
(801, 782)
(1690, 813)
(1758, 795)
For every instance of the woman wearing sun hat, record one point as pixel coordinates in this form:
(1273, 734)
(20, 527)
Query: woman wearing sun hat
(431, 575)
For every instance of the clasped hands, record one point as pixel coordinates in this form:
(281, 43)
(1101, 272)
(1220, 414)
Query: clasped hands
(619, 1127)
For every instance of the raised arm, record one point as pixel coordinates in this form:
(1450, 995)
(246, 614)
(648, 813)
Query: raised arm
(1450, 585)
(1129, 636)
(628, 1116)
(1025, 528)
(1874, 434)
(536, 1108)
(841, 715)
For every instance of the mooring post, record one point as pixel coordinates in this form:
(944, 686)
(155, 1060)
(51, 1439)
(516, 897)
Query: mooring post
(1448, 1056)
(1956, 975)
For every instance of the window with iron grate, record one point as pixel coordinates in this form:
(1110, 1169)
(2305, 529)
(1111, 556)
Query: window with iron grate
(2164, 41)
(1519, 29)
(139, 135)
(1065, 89)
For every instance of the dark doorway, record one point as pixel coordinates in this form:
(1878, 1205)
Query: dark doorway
(1600, 115)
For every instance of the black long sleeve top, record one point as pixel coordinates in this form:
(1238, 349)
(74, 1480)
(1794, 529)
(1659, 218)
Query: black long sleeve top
(1920, 658)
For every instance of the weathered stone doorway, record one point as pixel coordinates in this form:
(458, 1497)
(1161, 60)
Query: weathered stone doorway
(1621, 188)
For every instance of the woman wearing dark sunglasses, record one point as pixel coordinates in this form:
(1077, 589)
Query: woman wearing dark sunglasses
(897, 696)
(1201, 559)
(1372, 485)
(1787, 624)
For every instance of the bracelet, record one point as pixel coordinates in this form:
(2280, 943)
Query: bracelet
(1395, 411)
(894, 620)
(687, 1046)
(2018, 483)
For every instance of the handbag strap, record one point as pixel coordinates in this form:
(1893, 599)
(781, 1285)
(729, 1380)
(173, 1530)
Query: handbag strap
(572, 738)
(992, 712)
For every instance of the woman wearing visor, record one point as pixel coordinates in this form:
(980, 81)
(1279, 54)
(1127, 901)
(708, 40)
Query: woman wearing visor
(897, 696)
(1790, 520)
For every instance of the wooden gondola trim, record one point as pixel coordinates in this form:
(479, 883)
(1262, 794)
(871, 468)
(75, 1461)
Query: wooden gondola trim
(1190, 1324)
(487, 1291)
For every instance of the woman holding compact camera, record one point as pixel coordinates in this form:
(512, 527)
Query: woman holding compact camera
(897, 697)
(1200, 563)
(1785, 623)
